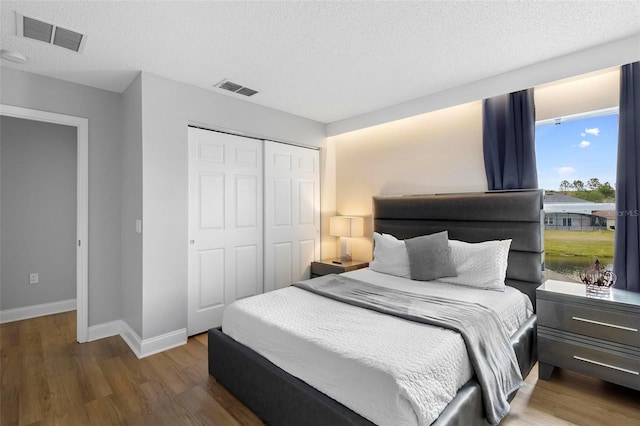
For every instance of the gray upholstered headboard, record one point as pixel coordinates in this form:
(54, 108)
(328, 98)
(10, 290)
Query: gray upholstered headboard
(475, 217)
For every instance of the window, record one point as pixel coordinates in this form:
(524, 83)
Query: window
(576, 161)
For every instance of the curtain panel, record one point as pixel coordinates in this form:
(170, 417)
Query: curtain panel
(626, 261)
(508, 135)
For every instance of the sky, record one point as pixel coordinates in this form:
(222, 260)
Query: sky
(577, 150)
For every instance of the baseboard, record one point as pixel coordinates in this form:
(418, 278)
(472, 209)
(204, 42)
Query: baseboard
(107, 329)
(18, 314)
(131, 338)
(163, 342)
(143, 348)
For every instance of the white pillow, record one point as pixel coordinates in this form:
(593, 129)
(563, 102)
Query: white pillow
(481, 265)
(390, 256)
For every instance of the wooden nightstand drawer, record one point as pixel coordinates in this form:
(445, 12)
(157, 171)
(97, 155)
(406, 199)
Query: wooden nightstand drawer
(590, 321)
(318, 268)
(617, 364)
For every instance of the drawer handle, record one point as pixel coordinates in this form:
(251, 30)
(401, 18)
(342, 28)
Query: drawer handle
(602, 364)
(606, 324)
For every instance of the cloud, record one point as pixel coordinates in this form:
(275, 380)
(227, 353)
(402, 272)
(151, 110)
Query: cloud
(595, 131)
(584, 144)
(583, 134)
(565, 170)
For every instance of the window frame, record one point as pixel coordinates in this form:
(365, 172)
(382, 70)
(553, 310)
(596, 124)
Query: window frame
(579, 116)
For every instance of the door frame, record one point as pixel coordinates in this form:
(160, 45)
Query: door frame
(82, 203)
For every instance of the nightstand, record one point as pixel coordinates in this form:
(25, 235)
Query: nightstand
(324, 267)
(597, 336)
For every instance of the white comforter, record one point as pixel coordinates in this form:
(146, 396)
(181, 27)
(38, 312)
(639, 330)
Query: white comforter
(389, 370)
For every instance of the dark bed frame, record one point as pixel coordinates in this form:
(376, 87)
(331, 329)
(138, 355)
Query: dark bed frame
(282, 399)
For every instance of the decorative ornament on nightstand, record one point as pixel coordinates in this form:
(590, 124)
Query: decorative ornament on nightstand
(598, 279)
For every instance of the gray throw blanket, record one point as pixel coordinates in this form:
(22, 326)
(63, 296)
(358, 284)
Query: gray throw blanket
(488, 343)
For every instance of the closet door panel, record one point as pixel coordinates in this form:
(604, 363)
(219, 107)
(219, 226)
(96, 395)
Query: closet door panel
(226, 227)
(210, 279)
(292, 213)
(211, 195)
(247, 278)
(307, 250)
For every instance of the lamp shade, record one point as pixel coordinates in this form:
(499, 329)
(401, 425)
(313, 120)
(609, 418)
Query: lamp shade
(346, 226)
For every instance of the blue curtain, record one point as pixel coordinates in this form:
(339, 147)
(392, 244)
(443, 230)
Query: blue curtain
(626, 261)
(508, 137)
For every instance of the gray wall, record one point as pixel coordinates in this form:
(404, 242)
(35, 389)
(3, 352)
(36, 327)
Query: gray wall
(102, 110)
(38, 218)
(131, 193)
(167, 108)
(138, 169)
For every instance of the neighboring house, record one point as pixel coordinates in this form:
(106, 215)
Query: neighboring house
(609, 216)
(570, 213)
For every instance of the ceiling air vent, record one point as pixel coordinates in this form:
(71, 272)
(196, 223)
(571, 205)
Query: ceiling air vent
(246, 91)
(49, 33)
(235, 88)
(37, 30)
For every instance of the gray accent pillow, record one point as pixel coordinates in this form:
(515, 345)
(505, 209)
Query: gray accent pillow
(429, 257)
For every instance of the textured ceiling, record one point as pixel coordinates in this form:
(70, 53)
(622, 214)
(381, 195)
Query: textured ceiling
(324, 60)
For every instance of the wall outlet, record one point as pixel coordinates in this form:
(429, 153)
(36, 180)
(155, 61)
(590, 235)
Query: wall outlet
(33, 278)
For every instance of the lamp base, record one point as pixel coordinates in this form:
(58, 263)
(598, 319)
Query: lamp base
(345, 249)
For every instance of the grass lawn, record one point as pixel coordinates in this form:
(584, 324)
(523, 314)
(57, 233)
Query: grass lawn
(578, 243)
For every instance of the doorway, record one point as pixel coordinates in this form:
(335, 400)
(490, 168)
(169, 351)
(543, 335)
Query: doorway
(82, 201)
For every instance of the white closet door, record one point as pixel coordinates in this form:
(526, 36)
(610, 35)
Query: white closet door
(292, 213)
(225, 224)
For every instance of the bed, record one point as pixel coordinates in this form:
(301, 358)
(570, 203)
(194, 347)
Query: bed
(279, 398)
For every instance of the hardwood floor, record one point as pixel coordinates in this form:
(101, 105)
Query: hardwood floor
(49, 379)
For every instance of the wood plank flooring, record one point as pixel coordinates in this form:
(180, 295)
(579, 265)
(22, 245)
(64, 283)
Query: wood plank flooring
(49, 379)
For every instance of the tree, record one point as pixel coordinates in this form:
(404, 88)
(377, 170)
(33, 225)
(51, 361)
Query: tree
(593, 183)
(593, 196)
(607, 190)
(594, 191)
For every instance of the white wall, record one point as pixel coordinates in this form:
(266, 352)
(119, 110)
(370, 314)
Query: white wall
(590, 92)
(328, 245)
(167, 108)
(38, 217)
(101, 108)
(131, 193)
(431, 153)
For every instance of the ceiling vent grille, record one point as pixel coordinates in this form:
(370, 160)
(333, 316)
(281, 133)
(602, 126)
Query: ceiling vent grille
(49, 33)
(37, 30)
(235, 88)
